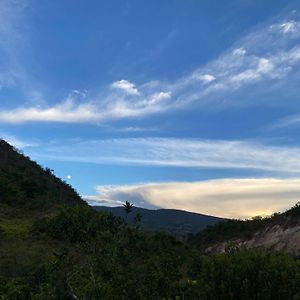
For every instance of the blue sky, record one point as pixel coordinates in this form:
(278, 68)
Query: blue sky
(180, 104)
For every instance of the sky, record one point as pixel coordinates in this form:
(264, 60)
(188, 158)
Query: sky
(192, 105)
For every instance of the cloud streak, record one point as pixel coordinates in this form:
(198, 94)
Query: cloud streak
(170, 152)
(126, 86)
(18, 143)
(289, 121)
(266, 57)
(11, 41)
(231, 198)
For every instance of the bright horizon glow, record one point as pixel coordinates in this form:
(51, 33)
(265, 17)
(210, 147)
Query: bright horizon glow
(229, 198)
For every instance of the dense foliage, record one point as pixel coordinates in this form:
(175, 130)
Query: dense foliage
(96, 256)
(24, 182)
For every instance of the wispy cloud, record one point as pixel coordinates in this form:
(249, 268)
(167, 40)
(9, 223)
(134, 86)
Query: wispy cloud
(287, 27)
(126, 86)
(70, 111)
(11, 41)
(17, 142)
(289, 121)
(265, 57)
(188, 153)
(206, 78)
(232, 198)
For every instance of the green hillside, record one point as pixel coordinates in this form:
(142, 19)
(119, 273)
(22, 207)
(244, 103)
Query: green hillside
(54, 246)
(24, 182)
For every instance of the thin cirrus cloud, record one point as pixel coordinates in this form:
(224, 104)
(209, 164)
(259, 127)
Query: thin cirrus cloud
(11, 41)
(230, 198)
(289, 121)
(126, 86)
(171, 152)
(17, 142)
(287, 27)
(265, 57)
(70, 111)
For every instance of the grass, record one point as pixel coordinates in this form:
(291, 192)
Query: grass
(21, 248)
(15, 228)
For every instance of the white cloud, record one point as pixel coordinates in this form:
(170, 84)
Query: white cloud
(126, 86)
(232, 198)
(293, 120)
(191, 153)
(158, 97)
(98, 201)
(239, 51)
(64, 112)
(89, 112)
(18, 143)
(263, 67)
(206, 78)
(290, 26)
(271, 58)
(11, 41)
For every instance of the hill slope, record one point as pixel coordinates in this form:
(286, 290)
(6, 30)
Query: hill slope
(171, 220)
(28, 193)
(280, 232)
(24, 182)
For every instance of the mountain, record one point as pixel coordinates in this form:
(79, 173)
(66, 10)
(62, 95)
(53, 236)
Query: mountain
(24, 182)
(170, 220)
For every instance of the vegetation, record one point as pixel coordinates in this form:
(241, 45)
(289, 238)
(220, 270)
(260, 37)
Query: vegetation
(96, 256)
(54, 247)
(243, 229)
(128, 207)
(24, 182)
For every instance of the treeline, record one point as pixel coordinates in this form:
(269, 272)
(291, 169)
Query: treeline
(100, 257)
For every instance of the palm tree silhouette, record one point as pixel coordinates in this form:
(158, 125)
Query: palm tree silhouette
(128, 207)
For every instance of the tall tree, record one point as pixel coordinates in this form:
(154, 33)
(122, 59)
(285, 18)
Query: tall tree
(128, 207)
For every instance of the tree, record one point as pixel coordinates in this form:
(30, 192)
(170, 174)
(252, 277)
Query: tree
(128, 207)
(137, 220)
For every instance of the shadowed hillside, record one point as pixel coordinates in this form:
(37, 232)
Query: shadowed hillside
(171, 220)
(24, 182)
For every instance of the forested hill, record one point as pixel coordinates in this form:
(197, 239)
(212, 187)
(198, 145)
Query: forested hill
(170, 220)
(24, 182)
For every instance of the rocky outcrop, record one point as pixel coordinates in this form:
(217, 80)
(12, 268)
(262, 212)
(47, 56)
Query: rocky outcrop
(274, 237)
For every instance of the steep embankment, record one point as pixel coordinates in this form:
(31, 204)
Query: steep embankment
(281, 232)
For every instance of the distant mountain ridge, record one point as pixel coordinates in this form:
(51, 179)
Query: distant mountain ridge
(170, 220)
